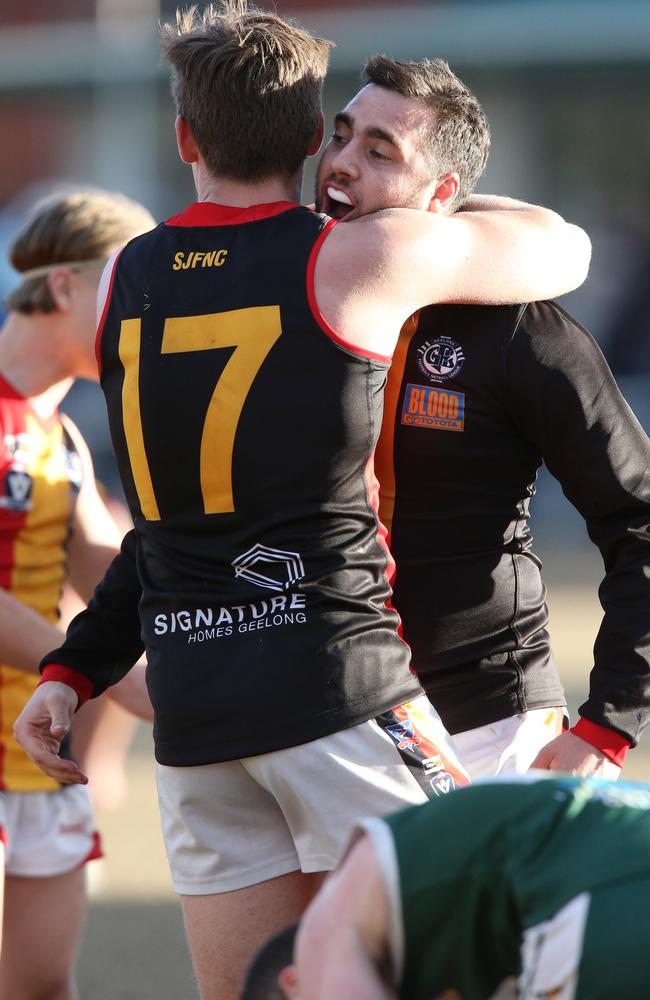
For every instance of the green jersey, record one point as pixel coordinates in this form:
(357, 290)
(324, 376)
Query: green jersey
(491, 888)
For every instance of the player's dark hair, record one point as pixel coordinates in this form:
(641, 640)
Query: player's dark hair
(458, 136)
(261, 981)
(249, 85)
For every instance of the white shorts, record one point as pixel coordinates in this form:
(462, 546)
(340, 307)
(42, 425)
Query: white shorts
(48, 833)
(237, 823)
(510, 745)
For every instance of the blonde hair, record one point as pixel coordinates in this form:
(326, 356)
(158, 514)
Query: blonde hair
(75, 230)
(249, 85)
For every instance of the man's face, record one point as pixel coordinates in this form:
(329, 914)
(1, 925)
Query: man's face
(375, 157)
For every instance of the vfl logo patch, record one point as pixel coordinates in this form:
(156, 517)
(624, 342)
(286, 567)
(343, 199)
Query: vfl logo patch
(440, 359)
(442, 783)
(18, 491)
(438, 409)
(282, 569)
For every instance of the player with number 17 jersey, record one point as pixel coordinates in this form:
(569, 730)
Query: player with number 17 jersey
(244, 430)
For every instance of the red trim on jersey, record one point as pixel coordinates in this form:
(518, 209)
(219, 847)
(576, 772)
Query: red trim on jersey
(318, 316)
(78, 682)
(612, 744)
(372, 486)
(4, 836)
(9, 391)
(208, 213)
(102, 320)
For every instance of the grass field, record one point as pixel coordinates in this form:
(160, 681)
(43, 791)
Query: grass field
(134, 947)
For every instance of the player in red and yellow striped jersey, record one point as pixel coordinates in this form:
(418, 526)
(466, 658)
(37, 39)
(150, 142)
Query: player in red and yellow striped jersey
(53, 528)
(40, 476)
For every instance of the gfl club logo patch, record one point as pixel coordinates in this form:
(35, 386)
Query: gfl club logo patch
(440, 359)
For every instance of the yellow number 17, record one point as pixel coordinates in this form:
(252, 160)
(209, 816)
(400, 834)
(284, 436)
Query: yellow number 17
(252, 332)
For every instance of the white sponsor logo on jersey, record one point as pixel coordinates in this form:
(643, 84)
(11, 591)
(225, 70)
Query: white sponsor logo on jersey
(281, 569)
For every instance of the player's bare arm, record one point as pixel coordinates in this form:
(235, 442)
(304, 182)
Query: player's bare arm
(95, 539)
(374, 272)
(25, 636)
(94, 544)
(342, 940)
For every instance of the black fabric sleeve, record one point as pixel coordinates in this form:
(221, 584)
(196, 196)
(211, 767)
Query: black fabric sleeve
(564, 398)
(103, 641)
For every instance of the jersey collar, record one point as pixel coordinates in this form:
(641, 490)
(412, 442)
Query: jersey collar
(208, 213)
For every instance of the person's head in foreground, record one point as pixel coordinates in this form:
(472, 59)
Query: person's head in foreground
(500, 890)
(60, 253)
(413, 137)
(247, 87)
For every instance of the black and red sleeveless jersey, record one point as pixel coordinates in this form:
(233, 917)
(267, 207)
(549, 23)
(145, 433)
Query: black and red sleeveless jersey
(244, 430)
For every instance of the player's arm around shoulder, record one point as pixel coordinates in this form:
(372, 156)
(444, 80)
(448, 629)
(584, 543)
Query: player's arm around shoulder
(342, 939)
(379, 269)
(494, 251)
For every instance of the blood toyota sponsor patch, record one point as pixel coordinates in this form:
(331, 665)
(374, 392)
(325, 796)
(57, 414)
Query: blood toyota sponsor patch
(433, 408)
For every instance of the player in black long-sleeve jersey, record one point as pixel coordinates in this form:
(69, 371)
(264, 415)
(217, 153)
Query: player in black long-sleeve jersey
(477, 399)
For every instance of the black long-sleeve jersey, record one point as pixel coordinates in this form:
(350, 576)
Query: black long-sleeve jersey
(477, 398)
(244, 430)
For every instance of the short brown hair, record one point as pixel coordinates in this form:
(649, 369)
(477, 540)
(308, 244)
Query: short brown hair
(70, 228)
(458, 138)
(249, 86)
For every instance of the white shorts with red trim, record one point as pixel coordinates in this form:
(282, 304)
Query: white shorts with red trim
(237, 823)
(509, 746)
(48, 833)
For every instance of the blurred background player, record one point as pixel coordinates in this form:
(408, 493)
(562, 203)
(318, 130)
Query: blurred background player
(528, 887)
(54, 528)
(477, 398)
(260, 587)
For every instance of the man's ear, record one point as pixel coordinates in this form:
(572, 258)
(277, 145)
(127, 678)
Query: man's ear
(445, 191)
(288, 980)
(317, 141)
(187, 148)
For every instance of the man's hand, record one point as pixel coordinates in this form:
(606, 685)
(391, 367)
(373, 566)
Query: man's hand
(41, 726)
(572, 755)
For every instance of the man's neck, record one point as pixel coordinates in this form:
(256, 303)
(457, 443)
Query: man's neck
(224, 191)
(31, 363)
